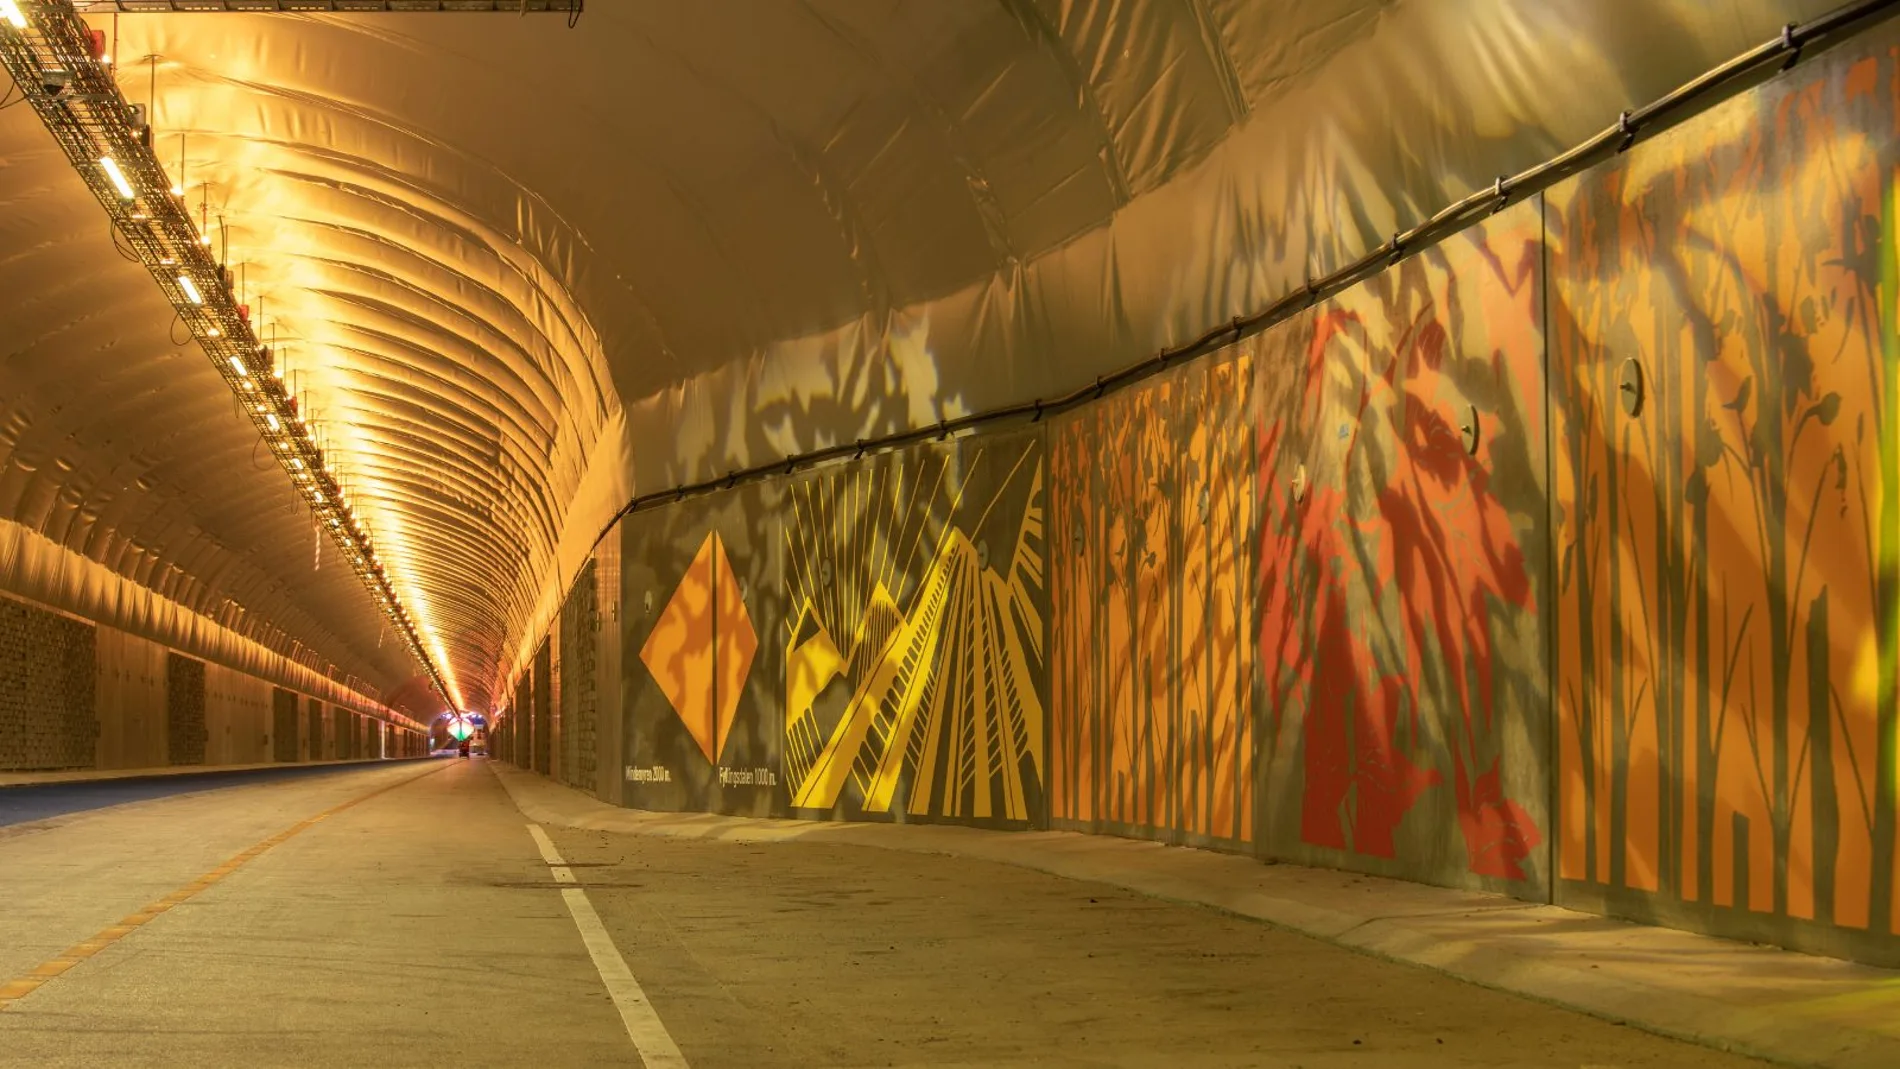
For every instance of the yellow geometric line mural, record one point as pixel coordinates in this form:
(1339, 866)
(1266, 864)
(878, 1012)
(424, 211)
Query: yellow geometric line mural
(702, 647)
(943, 717)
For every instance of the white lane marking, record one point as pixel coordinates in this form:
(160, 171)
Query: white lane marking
(650, 1038)
(558, 865)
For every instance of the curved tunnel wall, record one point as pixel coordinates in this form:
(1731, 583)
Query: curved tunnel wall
(1556, 560)
(519, 272)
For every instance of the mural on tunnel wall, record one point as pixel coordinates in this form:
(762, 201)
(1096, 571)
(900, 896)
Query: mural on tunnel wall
(1352, 593)
(914, 686)
(1402, 464)
(1727, 551)
(1152, 668)
(702, 594)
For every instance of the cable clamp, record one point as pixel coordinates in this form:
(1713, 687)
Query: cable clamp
(1628, 130)
(1497, 191)
(1792, 46)
(1037, 418)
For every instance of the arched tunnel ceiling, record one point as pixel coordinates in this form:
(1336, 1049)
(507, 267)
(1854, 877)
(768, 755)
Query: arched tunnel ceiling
(522, 271)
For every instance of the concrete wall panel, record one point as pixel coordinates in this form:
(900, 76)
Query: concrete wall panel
(1727, 654)
(915, 635)
(703, 603)
(1152, 665)
(131, 701)
(1405, 713)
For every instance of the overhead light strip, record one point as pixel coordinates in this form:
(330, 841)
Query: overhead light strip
(51, 56)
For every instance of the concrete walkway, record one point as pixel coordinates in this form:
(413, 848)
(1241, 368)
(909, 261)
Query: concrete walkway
(93, 775)
(1768, 1003)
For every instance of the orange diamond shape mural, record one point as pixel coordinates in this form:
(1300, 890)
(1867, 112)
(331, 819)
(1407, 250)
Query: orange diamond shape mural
(702, 647)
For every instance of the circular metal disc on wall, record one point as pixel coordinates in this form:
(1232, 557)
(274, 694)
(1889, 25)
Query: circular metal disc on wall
(1630, 387)
(1299, 484)
(1471, 430)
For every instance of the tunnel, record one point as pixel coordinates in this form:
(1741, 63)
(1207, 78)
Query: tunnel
(953, 533)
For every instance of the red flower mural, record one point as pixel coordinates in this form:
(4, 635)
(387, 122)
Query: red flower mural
(1394, 586)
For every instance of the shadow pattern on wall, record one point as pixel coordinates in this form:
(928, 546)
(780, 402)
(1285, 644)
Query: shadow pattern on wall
(1402, 468)
(1725, 360)
(914, 682)
(1152, 669)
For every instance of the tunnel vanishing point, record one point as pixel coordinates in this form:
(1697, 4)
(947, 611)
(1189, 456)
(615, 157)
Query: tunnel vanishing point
(958, 533)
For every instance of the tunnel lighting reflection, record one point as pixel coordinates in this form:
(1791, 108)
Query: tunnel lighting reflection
(191, 289)
(118, 178)
(10, 10)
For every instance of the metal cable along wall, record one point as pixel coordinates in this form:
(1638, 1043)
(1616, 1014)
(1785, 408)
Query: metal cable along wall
(337, 7)
(57, 65)
(1685, 102)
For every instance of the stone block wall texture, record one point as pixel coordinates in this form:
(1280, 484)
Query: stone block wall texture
(542, 697)
(47, 717)
(580, 683)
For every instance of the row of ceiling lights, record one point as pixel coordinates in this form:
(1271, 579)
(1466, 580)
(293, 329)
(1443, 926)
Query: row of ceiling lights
(62, 67)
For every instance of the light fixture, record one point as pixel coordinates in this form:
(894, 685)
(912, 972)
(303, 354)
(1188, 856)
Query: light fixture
(296, 463)
(247, 384)
(206, 240)
(167, 261)
(237, 365)
(118, 178)
(215, 332)
(272, 420)
(177, 190)
(191, 289)
(10, 10)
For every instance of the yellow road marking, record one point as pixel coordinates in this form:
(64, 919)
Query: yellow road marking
(14, 990)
